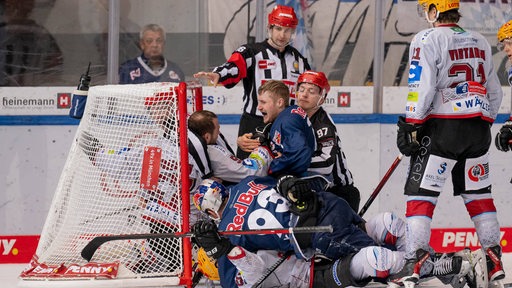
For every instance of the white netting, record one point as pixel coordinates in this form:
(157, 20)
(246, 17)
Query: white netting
(122, 176)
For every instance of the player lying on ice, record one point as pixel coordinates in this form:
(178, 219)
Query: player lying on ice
(355, 253)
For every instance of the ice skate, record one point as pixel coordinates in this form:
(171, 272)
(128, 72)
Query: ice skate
(410, 273)
(451, 268)
(494, 264)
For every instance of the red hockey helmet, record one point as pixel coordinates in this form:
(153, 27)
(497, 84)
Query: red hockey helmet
(283, 16)
(315, 78)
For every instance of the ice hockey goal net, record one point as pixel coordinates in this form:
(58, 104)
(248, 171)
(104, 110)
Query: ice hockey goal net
(125, 174)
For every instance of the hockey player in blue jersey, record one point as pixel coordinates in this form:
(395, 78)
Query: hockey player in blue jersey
(151, 65)
(291, 137)
(264, 202)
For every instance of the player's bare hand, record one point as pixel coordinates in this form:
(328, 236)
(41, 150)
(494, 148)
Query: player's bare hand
(246, 143)
(212, 76)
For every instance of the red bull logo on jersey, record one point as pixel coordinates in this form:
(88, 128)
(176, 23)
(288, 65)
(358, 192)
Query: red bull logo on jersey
(300, 112)
(242, 204)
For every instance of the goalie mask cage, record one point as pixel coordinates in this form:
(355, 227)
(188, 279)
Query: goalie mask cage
(126, 173)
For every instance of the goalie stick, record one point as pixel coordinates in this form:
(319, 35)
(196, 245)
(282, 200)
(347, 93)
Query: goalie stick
(381, 184)
(91, 247)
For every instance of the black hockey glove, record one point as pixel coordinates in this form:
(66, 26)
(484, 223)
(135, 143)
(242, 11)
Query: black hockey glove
(503, 137)
(262, 134)
(207, 236)
(298, 191)
(294, 189)
(406, 137)
(89, 144)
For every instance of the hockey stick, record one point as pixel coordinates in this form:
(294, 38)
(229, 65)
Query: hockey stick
(381, 184)
(111, 213)
(271, 269)
(91, 247)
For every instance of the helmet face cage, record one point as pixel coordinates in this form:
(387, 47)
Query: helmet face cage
(209, 195)
(316, 78)
(283, 16)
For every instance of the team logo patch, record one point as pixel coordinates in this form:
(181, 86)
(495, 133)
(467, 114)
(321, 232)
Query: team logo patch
(277, 138)
(415, 71)
(478, 172)
(135, 74)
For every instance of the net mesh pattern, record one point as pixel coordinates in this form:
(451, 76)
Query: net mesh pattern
(122, 176)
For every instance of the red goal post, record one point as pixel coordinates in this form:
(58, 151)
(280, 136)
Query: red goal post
(126, 173)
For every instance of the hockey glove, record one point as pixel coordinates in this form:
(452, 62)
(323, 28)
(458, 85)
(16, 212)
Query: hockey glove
(262, 155)
(504, 137)
(207, 236)
(294, 189)
(262, 134)
(406, 137)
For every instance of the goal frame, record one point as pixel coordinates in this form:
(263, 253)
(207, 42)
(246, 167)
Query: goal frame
(185, 279)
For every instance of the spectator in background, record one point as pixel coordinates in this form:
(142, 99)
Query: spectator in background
(151, 65)
(29, 55)
(254, 64)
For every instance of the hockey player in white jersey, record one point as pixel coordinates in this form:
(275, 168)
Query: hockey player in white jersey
(454, 96)
(504, 137)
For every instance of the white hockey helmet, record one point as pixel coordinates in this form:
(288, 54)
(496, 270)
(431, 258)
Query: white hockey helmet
(209, 195)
